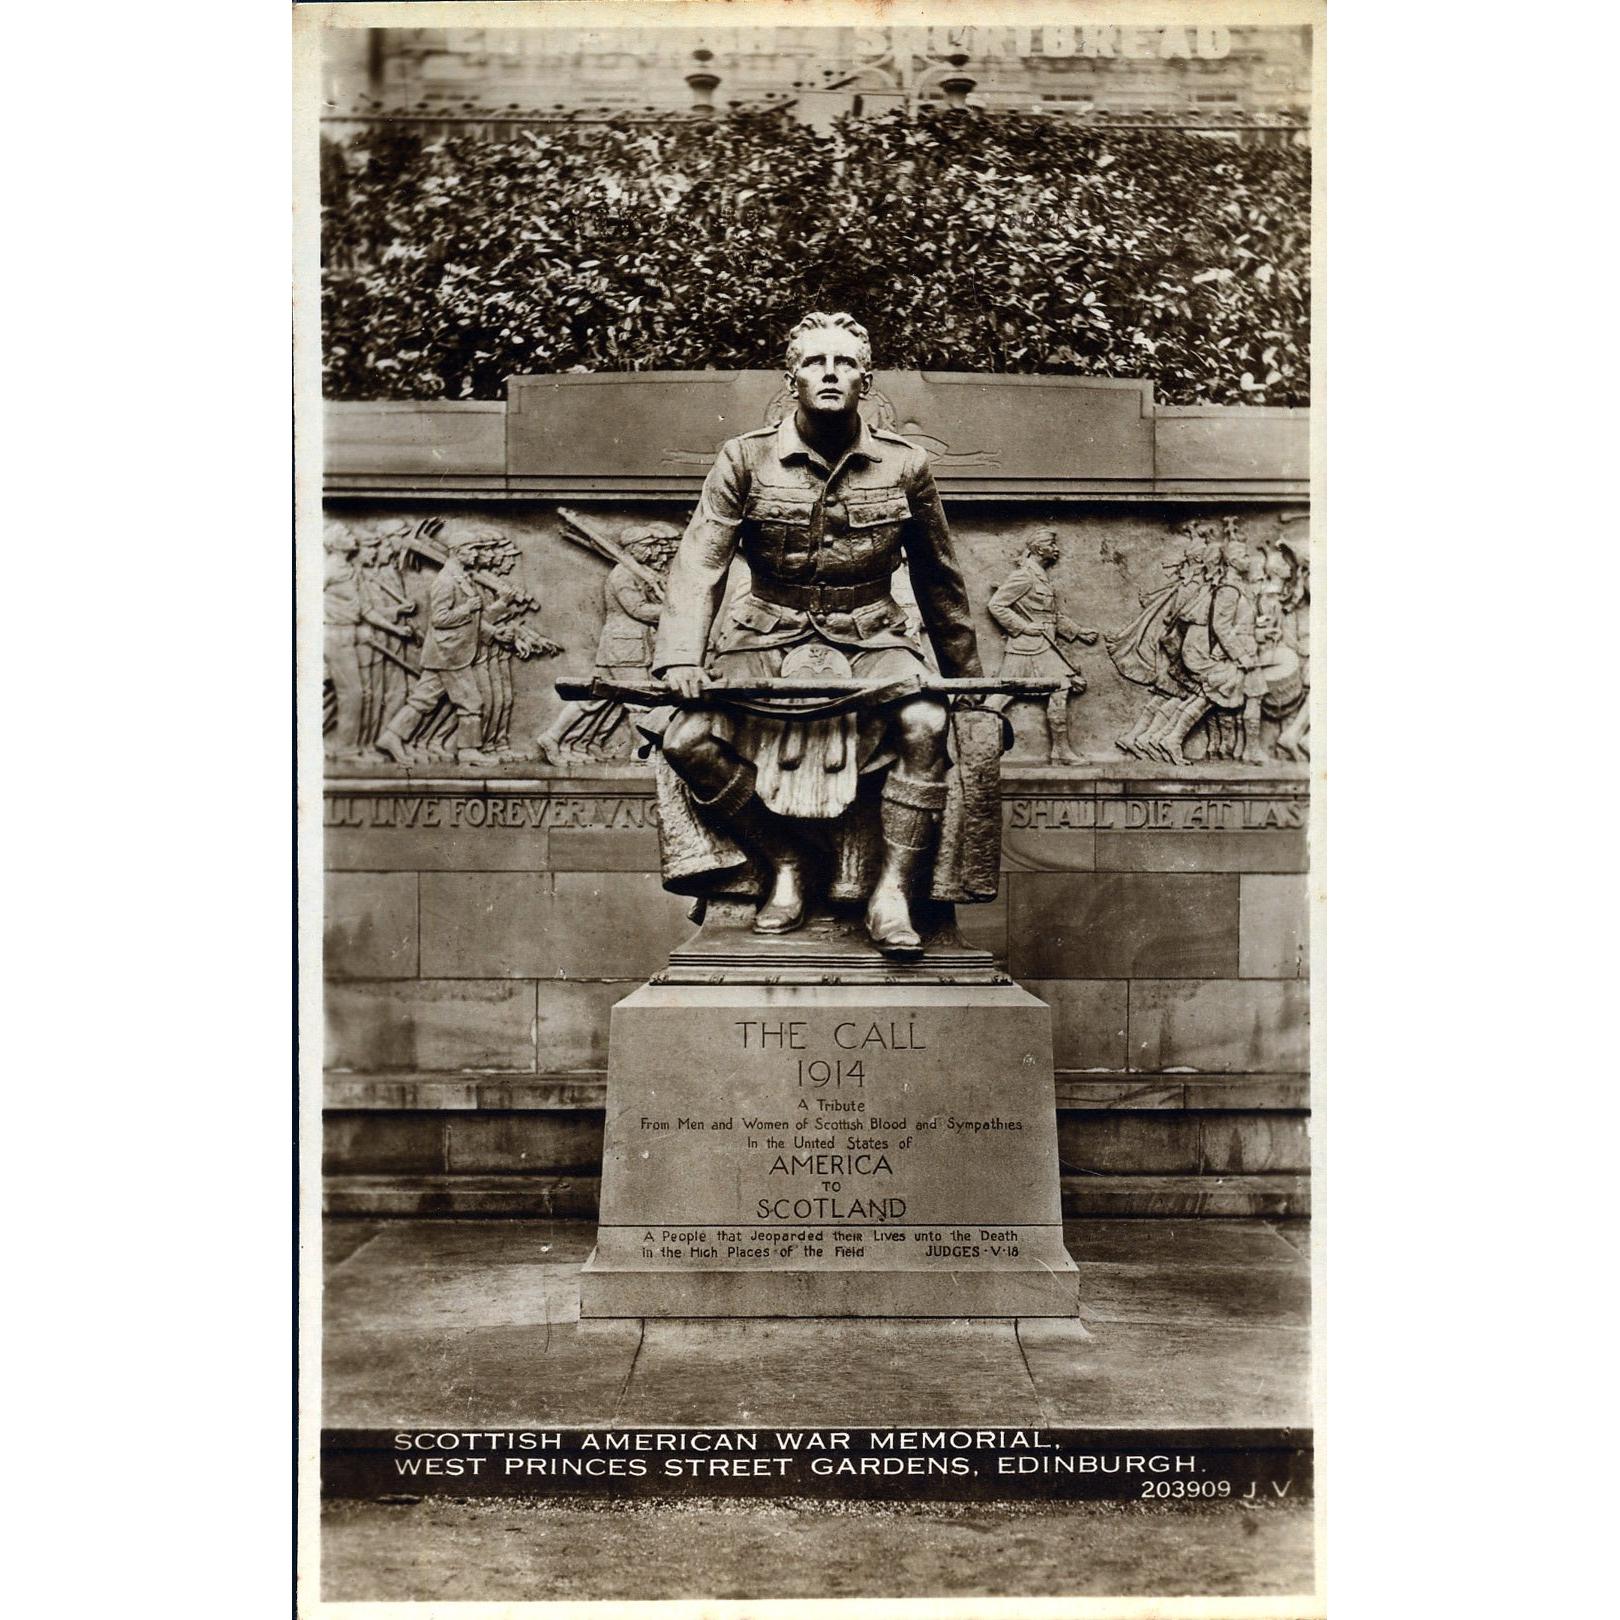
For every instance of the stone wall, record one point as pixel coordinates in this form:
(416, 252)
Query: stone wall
(480, 923)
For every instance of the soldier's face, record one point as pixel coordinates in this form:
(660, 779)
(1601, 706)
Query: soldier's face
(827, 378)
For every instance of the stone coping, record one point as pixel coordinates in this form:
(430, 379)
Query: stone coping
(1129, 1196)
(1075, 1091)
(1017, 781)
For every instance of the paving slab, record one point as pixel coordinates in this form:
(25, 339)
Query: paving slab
(410, 1244)
(449, 1299)
(1270, 1296)
(340, 1239)
(1296, 1234)
(1179, 1243)
(544, 1375)
(828, 1374)
(1162, 1375)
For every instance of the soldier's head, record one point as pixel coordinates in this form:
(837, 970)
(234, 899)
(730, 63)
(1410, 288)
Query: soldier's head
(390, 542)
(1043, 547)
(1235, 553)
(655, 544)
(340, 541)
(829, 364)
(1276, 564)
(497, 554)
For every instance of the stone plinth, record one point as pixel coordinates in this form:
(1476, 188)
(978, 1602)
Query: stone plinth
(830, 1150)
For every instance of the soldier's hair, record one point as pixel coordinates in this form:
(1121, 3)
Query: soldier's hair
(819, 320)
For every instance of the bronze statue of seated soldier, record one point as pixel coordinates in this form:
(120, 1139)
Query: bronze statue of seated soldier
(759, 787)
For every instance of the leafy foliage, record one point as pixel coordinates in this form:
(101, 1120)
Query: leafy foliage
(965, 241)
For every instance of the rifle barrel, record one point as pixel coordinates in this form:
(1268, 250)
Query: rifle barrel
(656, 692)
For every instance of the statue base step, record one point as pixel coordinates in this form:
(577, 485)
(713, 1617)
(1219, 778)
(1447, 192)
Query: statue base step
(831, 948)
(849, 1149)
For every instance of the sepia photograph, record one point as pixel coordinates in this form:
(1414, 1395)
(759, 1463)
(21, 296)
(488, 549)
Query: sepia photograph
(808, 1057)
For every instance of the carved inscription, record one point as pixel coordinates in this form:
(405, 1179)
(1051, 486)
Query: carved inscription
(825, 1150)
(402, 812)
(1157, 815)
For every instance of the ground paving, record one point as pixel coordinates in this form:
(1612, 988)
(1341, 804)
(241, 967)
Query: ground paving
(1184, 1325)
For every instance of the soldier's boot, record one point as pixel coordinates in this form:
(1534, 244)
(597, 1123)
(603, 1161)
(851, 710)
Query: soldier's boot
(1291, 741)
(1252, 753)
(390, 742)
(1151, 744)
(1131, 741)
(473, 751)
(1057, 724)
(1187, 716)
(765, 837)
(910, 814)
(548, 744)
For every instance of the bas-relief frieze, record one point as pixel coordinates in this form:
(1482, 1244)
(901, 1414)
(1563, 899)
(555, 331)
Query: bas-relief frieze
(1179, 644)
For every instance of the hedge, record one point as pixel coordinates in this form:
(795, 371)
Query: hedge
(966, 241)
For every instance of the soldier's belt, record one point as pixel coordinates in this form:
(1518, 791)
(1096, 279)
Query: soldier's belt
(807, 700)
(820, 598)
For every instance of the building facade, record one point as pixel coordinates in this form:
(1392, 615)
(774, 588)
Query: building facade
(1200, 74)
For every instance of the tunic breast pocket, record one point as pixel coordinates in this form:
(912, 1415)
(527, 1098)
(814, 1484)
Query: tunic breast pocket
(778, 525)
(874, 522)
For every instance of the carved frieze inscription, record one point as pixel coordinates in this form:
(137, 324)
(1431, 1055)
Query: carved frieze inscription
(1156, 815)
(407, 812)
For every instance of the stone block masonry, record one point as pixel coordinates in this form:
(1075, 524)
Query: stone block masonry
(479, 932)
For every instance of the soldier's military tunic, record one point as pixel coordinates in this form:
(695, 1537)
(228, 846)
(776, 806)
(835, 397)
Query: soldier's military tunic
(344, 615)
(1220, 650)
(822, 544)
(630, 614)
(449, 650)
(1026, 608)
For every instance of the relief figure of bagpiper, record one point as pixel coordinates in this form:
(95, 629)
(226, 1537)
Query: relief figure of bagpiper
(1227, 644)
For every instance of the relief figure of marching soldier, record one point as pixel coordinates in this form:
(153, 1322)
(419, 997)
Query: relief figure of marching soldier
(1028, 610)
(632, 605)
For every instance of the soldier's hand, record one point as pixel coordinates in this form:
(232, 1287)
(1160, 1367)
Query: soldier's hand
(687, 679)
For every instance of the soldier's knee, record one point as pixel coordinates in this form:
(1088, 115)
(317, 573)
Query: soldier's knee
(686, 738)
(922, 723)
